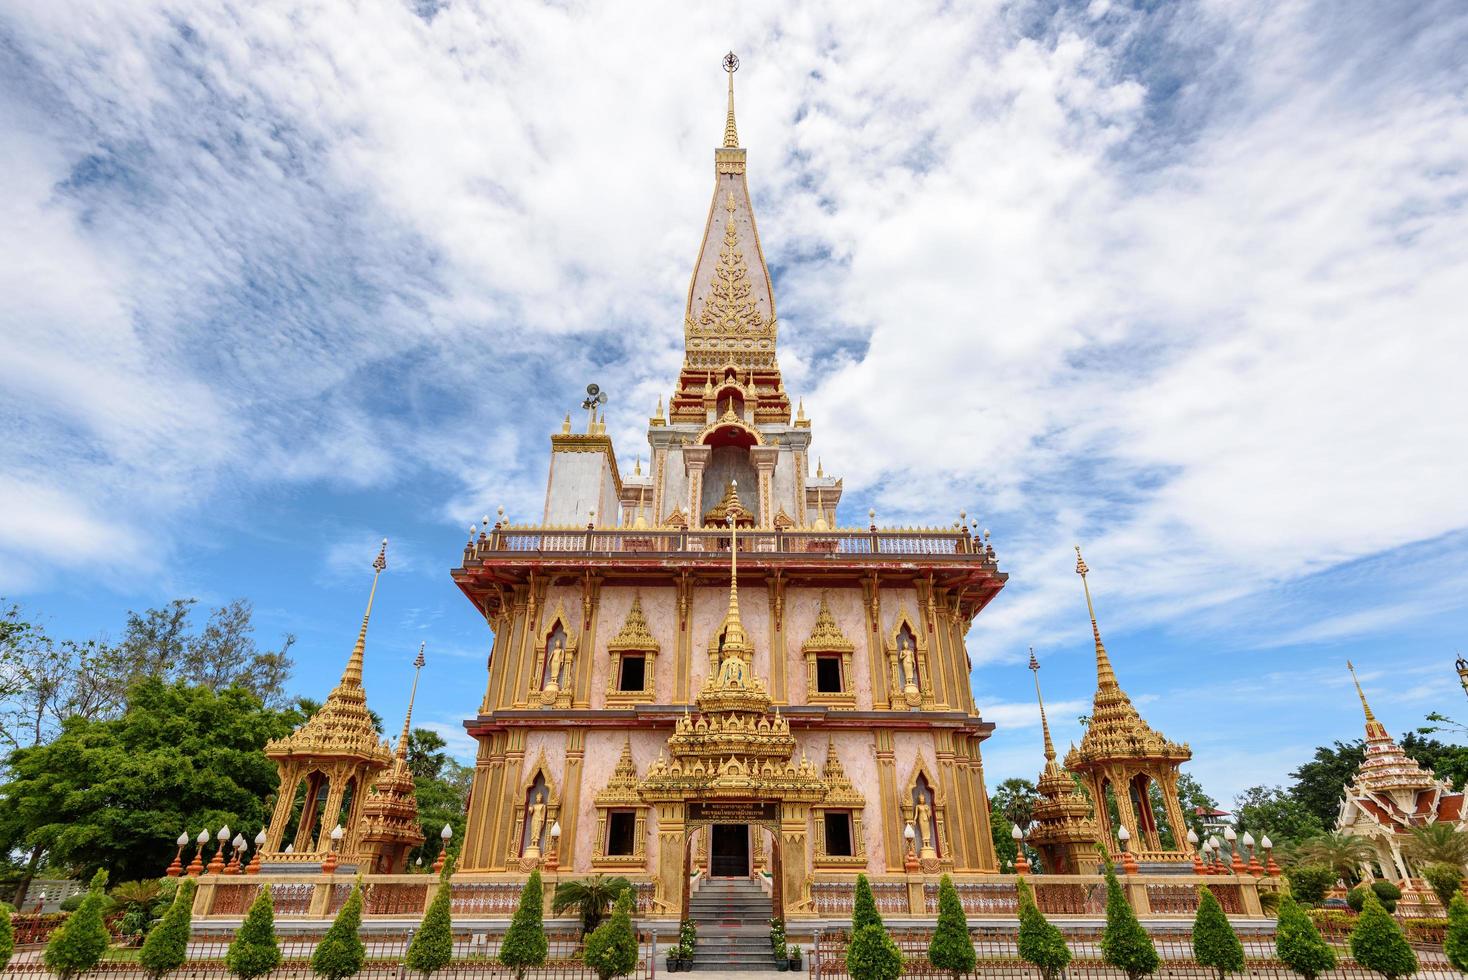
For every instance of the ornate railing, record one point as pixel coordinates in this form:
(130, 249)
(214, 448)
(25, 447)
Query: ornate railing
(907, 542)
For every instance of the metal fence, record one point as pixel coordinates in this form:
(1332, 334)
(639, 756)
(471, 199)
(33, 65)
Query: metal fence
(475, 956)
(998, 956)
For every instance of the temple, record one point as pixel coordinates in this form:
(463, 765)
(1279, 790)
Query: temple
(1389, 795)
(697, 672)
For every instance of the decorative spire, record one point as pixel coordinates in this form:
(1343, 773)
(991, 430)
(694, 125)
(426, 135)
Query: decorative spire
(352, 675)
(1374, 728)
(1105, 676)
(1044, 722)
(731, 132)
(734, 630)
(418, 663)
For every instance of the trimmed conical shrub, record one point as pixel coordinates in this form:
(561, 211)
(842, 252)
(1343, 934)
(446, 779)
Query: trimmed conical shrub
(524, 945)
(1298, 942)
(340, 953)
(433, 945)
(951, 947)
(1040, 942)
(167, 946)
(1214, 942)
(78, 945)
(254, 951)
(612, 949)
(1125, 944)
(864, 906)
(7, 936)
(1456, 943)
(1377, 942)
(873, 955)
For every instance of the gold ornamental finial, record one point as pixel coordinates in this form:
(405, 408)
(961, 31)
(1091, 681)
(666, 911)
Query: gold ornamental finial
(418, 663)
(1372, 725)
(1105, 676)
(734, 631)
(1044, 722)
(731, 132)
(353, 674)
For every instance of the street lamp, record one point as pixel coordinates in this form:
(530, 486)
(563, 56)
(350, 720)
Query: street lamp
(1193, 846)
(176, 868)
(1021, 863)
(1231, 835)
(1128, 863)
(328, 866)
(196, 866)
(909, 834)
(1270, 868)
(254, 867)
(1255, 868)
(553, 859)
(446, 835)
(216, 866)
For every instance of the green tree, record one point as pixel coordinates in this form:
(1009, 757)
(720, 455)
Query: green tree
(433, 945)
(441, 787)
(254, 951)
(7, 936)
(1377, 942)
(524, 945)
(611, 951)
(1447, 761)
(1040, 942)
(1124, 943)
(1340, 853)
(864, 906)
(1310, 882)
(1001, 832)
(1271, 810)
(79, 943)
(1455, 946)
(1446, 880)
(1298, 942)
(590, 898)
(1437, 843)
(1015, 798)
(167, 946)
(951, 948)
(340, 953)
(1320, 782)
(1214, 942)
(115, 793)
(873, 955)
(1192, 798)
(163, 644)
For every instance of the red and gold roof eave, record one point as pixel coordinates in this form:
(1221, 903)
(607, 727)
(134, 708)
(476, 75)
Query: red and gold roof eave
(663, 717)
(486, 581)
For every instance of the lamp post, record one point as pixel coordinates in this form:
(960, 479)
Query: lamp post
(176, 868)
(909, 861)
(1236, 862)
(553, 857)
(1270, 868)
(1193, 846)
(241, 852)
(328, 866)
(1255, 868)
(1021, 863)
(216, 866)
(446, 835)
(254, 867)
(1128, 863)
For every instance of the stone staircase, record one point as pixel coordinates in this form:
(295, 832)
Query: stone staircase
(733, 918)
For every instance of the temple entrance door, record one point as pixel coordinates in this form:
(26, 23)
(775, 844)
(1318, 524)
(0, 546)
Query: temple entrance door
(729, 850)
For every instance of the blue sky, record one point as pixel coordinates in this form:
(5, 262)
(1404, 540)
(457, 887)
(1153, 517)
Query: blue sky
(1180, 282)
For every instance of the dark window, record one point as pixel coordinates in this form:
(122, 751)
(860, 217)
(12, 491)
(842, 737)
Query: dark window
(838, 833)
(621, 831)
(634, 668)
(828, 675)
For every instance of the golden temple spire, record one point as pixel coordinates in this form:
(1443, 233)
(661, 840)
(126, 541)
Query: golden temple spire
(1044, 722)
(418, 663)
(734, 630)
(731, 132)
(352, 676)
(1105, 676)
(1373, 727)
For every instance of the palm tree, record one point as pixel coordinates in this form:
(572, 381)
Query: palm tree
(1340, 853)
(1437, 843)
(591, 899)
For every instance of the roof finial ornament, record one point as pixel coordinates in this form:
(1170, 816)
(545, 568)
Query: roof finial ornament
(1105, 676)
(1373, 727)
(353, 673)
(731, 132)
(418, 663)
(1044, 722)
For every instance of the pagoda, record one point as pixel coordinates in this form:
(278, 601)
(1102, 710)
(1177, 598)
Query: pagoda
(390, 828)
(1063, 827)
(1120, 760)
(1390, 794)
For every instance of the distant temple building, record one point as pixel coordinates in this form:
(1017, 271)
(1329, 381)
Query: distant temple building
(1390, 794)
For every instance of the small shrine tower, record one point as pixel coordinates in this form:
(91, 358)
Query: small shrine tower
(326, 766)
(1121, 758)
(390, 827)
(1064, 829)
